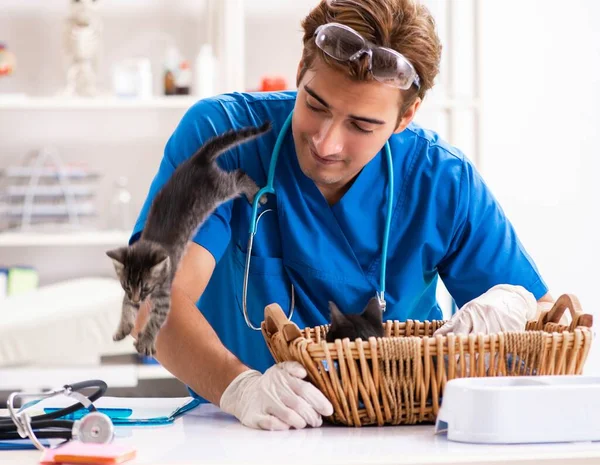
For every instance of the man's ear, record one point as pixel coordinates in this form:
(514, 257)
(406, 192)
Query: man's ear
(299, 72)
(118, 258)
(408, 116)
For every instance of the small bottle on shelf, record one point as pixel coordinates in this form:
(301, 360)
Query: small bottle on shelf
(184, 78)
(170, 88)
(172, 59)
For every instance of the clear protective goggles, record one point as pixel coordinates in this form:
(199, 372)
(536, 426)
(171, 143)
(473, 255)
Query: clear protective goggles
(387, 66)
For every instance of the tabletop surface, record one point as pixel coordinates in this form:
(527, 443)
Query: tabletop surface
(210, 437)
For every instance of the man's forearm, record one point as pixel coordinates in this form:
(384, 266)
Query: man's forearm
(547, 297)
(189, 348)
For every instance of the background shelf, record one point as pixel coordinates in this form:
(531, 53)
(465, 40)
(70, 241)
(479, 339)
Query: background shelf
(76, 238)
(103, 103)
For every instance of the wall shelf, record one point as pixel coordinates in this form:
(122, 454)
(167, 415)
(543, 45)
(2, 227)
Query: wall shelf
(75, 238)
(101, 103)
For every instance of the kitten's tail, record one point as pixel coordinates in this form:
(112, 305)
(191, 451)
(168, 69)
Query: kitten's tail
(215, 146)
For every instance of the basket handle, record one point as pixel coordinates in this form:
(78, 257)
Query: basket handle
(571, 302)
(275, 320)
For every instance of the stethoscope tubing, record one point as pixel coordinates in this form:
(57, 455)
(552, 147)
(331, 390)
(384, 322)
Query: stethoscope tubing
(269, 189)
(51, 420)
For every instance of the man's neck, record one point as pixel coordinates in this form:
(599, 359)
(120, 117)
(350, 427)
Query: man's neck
(334, 193)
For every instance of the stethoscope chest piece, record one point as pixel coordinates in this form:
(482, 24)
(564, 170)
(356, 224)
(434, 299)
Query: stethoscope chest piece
(95, 427)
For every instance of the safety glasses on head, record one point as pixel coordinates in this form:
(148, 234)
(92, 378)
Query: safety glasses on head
(389, 67)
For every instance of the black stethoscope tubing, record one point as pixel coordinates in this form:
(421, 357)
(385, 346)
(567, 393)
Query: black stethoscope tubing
(8, 430)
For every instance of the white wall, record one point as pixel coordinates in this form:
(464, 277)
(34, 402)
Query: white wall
(541, 98)
(278, 48)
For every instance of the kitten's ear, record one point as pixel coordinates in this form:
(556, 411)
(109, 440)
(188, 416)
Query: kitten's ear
(118, 258)
(373, 312)
(161, 268)
(335, 315)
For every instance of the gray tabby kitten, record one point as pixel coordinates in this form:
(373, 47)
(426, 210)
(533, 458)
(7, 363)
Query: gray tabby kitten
(365, 325)
(147, 267)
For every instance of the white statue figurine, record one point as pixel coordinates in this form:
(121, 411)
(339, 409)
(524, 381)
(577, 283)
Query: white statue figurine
(82, 43)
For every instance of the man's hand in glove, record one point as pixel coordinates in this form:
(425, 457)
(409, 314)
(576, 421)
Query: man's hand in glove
(276, 400)
(503, 308)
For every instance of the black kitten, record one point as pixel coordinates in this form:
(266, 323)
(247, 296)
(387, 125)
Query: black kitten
(368, 324)
(147, 267)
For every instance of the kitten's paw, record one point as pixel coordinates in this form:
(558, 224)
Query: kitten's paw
(250, 196)
(122, 333)
(261, 201)
(248, 187)
(145, 346)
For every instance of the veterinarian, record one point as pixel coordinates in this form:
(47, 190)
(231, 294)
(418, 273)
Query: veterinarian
(322, 238)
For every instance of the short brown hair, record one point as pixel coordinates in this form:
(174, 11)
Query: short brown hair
(402, 25)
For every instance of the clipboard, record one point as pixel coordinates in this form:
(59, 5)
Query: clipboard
(123, 411)
(130, 411)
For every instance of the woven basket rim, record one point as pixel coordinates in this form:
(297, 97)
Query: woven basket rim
(443, 337)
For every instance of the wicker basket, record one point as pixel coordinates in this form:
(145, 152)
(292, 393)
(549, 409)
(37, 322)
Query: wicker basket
(400, 378)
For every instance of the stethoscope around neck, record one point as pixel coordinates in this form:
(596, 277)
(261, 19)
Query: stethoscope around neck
(269, 189)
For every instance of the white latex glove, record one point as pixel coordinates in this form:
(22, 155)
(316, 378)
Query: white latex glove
(276, 400)
(502, 308)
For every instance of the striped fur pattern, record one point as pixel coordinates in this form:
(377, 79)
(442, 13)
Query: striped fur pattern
(147, 267)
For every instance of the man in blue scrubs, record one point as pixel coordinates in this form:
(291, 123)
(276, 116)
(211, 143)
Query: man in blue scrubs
(324, 233)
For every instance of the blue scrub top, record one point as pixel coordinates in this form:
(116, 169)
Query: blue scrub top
(446, 224)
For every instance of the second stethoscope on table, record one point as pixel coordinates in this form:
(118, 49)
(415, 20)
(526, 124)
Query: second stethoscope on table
(93, 427)
(269, 189)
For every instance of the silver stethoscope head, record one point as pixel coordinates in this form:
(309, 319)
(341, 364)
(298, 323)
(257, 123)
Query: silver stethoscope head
(381, 300)
(94, 427)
